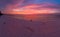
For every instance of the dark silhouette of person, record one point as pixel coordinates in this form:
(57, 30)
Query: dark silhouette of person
(0, 13)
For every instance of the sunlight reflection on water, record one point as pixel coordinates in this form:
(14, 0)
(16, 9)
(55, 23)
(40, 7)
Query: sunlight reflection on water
(35, 17)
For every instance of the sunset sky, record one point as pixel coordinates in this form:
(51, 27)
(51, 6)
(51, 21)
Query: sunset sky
(14, 6)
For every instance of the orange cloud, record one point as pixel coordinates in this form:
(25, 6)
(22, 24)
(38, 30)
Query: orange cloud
(30, 9)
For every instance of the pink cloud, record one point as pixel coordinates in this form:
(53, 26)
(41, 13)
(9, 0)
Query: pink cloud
(36, 7)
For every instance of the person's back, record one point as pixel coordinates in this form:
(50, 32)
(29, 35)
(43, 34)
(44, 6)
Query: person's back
(0, 13)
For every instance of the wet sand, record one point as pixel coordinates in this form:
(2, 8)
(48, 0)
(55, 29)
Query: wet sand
(17, 26)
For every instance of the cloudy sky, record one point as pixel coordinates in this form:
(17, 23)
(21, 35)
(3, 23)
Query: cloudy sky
(10, 4)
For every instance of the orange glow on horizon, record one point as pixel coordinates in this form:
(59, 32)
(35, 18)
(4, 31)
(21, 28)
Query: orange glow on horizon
(29, 9)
